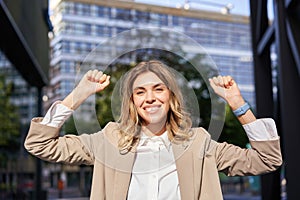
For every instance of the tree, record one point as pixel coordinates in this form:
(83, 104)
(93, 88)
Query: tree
(233, 131)
(103, 100)
(10, 124)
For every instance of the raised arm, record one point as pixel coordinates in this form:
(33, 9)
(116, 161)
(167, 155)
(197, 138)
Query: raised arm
(43, 138)
(93, 81)
(265, 154)
(226, 87)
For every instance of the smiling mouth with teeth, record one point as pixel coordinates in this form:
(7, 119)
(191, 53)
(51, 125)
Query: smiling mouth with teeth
(152, 109)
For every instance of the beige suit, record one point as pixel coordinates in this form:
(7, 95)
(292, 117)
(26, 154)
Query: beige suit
(197, 161)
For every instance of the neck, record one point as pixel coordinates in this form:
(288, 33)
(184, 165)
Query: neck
(152, 129)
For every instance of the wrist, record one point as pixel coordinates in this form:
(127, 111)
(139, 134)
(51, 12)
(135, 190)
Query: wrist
(75, 98)
(81, 93)
(236, 102)
(241, 110)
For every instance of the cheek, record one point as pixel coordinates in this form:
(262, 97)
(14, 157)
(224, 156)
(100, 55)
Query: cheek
(167, 100)
(137, 101)
(165, 97)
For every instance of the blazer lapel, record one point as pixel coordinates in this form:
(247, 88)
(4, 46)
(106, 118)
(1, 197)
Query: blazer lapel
(185, 169)
(123, 175)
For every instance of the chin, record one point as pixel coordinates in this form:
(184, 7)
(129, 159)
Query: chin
(156, 120)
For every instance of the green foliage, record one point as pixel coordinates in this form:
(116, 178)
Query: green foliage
(9, 119)
(103, 100)
(69, 126)
(80, 126)
(233, 131)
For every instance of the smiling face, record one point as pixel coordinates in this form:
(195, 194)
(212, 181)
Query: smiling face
(151, 99)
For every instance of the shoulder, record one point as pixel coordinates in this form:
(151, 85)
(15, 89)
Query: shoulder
(111, 126)
(108, 135)
(202, 141)
(111, 132)
(199, 133)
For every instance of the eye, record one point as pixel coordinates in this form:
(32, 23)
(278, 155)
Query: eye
(160, 88)
(139, 92)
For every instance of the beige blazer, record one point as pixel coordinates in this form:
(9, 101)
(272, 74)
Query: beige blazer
(198, 161)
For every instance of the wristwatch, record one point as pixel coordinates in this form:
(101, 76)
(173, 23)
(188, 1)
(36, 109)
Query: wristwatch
(241, 110)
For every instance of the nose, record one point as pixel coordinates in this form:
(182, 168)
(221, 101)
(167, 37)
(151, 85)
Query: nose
(150, 97)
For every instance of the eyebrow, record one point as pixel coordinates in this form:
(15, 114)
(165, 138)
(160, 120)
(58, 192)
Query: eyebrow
(156, 85)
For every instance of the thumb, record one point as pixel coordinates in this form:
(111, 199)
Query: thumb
(212, 84)
(103, 83)
(220, 91)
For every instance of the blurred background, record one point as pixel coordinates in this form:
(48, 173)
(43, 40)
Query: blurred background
(43, 46)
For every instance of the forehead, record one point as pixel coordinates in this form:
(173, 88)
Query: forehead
(147, 78)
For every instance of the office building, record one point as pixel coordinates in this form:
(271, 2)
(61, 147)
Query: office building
(79, 26)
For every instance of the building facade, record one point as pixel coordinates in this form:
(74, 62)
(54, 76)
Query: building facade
(79, 26)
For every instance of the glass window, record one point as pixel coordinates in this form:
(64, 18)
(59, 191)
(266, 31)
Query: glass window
(142, 17)
(123, 14)
(103, 12)
(121, 29)
(103, 31)
(66, 47)
(82, 9)
(159, 19)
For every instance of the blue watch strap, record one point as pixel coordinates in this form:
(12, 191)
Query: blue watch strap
(241, 110)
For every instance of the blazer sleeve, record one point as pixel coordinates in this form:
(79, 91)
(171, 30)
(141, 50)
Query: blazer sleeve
(264, 156)
(44, 142)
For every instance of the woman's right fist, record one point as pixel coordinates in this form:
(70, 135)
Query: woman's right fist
(93, 81)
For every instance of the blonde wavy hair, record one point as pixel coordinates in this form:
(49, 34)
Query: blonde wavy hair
(178, 123)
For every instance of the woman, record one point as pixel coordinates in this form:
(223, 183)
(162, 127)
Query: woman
(152, 152)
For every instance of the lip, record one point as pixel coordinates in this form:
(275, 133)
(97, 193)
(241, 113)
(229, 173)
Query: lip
(152, 109)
